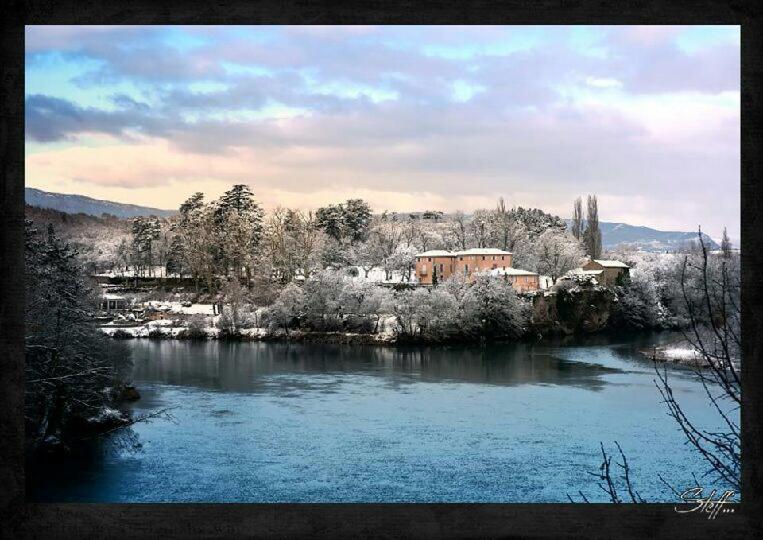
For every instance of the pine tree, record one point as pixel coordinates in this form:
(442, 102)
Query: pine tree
(237, 230)
(349, 221)
(357, 219)
(331, 219)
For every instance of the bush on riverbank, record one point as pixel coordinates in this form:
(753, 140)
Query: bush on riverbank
(194, 329)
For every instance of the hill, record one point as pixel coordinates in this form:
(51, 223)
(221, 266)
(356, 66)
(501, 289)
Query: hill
(79, 204)
(646, 238)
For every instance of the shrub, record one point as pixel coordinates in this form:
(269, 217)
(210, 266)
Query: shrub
(194, 328)
(122, 334)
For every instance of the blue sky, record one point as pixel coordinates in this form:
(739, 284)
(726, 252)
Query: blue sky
(408, 118)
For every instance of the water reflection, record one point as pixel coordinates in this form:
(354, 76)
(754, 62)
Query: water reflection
(286, 367)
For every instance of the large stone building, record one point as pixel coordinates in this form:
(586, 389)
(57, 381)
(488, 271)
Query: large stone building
(437, 265)
(480, 259)
(434, 266)
(608, 272)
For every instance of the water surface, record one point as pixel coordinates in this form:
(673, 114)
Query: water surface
(276, 422)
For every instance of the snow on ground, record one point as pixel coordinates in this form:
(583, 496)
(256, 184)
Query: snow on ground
(680, 353)
(177, 307)
(156, 271)
(377, 275)
(144, 330)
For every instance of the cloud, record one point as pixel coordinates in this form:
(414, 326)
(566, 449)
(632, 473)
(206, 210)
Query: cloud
(447, 115)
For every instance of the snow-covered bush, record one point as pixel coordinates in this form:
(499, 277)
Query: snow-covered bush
(650, 299)
(459, 310)
(288, 309)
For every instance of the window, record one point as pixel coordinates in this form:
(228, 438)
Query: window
(483, 257)
(466, 269)
(501, 257)
(460, 258)
(429, 259)
(441, 268)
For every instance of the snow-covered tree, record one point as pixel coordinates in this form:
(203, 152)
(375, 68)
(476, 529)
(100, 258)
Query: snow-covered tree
(348, 221)
(402, 260)
(577, 218)
(555, 253)
(194, 229)
(592, 233)
(369, 254)
(145, 231)
(288, 309)
(238, 230)
(491, 308)
(361, 304)
(726, 245)
(70, 366)
(457, 235)
(505, 230)
(323, 310)
(479, 228)
(357, 219)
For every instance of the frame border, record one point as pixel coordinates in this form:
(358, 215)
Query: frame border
(22, 519)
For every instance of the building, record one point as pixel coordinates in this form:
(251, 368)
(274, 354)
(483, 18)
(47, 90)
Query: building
(611, 272)
(582, 276)
(437, 265)
(480, 259)
(113, 302)
(521, 280)
(434, 266)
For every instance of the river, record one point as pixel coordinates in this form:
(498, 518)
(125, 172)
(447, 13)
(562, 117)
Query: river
(278, 422)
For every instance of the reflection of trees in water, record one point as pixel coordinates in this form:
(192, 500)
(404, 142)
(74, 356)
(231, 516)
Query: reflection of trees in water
(268, 367)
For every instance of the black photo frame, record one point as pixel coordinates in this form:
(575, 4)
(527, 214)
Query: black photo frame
(22, 519)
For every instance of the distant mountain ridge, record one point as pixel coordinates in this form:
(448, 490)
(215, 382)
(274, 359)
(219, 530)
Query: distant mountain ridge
(646, 238)
(76, 204)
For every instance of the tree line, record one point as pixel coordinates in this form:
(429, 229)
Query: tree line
(233, 236)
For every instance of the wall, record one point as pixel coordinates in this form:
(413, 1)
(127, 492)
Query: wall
(429, 263)
(476, 263)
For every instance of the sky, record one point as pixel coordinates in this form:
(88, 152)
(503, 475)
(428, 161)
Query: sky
(407, 118)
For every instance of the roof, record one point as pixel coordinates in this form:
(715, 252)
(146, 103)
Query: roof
(108, 296)
(484, 251)
(581, 272)
(436, 253)
(511, 272)
(611, 263)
